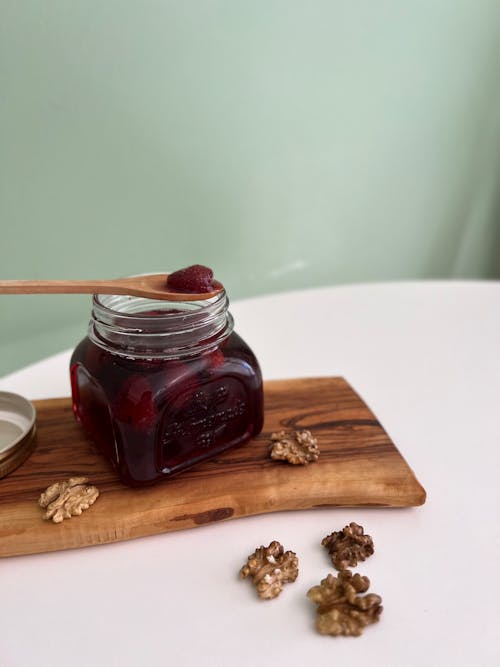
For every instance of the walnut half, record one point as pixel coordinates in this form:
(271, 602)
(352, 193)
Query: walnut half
(341, 610)
(271, 567)
(296, 447)
(348, 546)
(63, 500)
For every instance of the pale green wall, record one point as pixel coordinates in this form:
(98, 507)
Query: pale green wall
(286, 143)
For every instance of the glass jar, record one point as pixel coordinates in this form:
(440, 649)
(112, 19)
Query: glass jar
(160, 386)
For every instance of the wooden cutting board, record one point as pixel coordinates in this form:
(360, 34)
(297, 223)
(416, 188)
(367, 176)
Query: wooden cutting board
(359, 465)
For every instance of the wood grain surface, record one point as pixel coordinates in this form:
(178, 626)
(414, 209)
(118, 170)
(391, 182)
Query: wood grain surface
(359, 465)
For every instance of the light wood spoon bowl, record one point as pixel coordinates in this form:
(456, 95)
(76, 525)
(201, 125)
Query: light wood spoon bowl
(153, 286)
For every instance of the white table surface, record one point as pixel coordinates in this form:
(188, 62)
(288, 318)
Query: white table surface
(426, 358)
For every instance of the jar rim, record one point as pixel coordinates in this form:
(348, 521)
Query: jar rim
(121, 324)
(178, 308)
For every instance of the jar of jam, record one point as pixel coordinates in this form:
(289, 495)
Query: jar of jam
(160, 386)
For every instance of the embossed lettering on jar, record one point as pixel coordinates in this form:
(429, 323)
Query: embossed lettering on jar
(160, 386)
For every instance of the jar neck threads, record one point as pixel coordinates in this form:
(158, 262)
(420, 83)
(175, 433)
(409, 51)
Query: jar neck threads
(152, 329)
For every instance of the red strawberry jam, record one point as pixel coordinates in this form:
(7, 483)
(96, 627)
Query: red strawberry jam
(134, 403)
(195, 279)
(160, 388)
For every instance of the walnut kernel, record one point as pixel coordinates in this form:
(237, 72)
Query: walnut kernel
(341, 610)
(271, 567)
(63, 500)
(348, 546)
(296, 447)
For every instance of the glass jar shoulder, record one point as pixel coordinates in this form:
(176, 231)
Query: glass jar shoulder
(235, 349)
(113, 372)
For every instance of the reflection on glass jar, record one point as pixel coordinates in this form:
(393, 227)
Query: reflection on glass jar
(160, 386)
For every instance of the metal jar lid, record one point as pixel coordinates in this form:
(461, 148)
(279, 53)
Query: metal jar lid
(17, 431)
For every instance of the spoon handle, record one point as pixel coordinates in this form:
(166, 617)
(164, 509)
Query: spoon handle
(62, 287)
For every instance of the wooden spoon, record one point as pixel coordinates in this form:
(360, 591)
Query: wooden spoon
(153, 286)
